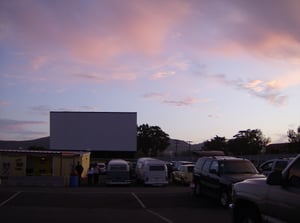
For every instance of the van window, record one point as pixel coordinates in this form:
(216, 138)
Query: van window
(157, 168)
(118, 167)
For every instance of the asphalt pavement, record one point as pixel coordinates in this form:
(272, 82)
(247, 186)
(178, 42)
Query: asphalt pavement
(169, 204)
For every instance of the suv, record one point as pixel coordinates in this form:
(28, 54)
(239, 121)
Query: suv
(214, 176)
(275, 199)
(273, 165)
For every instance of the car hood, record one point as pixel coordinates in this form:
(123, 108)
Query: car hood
(234, 178)
(255, 187)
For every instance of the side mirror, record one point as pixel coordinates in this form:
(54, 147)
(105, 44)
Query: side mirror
(274, 178)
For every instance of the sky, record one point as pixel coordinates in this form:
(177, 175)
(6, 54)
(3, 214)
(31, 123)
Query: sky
(195, 68)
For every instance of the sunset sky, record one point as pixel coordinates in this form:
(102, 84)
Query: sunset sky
(195, 68)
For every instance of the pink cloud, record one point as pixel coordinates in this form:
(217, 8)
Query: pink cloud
(183, 102)
(101, 31)
(154, 95)
(21, 129)
(162, 74)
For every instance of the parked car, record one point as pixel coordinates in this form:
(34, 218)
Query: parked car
(176, 164)
(273, 165)
(117, 172)
(274, 199)
(214, 176)
(184, 174)
(102, 168)
(150, 171)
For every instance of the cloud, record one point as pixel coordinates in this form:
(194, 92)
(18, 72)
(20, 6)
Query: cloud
(38, 62)
(245, 27)
(165, 98)
(94, 32)
(188, 101)
(162, 74)
(20, 129)
(4, 103)
(268, 90)
(41, 109)
(112, 76)
(154, 95)
(272, 90)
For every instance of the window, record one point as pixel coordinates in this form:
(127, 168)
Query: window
(280, 165)
(118, 167)
(237, 167)
(267, 166)
(157, 168)
(294, 174)
(206, 166)
(215, 166)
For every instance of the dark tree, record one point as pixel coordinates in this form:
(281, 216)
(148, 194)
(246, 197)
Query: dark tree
(294, 140)
(248, 142)
(151, 140)
(217, 143)
(294, 137)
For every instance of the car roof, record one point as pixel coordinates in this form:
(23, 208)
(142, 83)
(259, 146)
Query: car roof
(222, 158)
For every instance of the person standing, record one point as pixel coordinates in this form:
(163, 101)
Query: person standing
(79, 170)
(96, 174)
(90, 174)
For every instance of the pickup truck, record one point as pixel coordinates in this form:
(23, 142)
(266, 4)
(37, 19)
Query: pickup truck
(272, 199)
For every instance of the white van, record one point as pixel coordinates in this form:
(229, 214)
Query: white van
(150, 171)
(117, 172)
(139, 169)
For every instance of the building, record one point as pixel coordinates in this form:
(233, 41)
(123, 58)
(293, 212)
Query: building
(40, 168)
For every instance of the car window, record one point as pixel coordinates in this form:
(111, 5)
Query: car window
(214, 166)
(237, 167)
(156, 167)
(294, 174)
(206, 166)
(181, 168)
(267, 166)
(118, 167)
(280, 165)
(199, 163)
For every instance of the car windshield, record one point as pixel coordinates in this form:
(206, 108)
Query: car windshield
(156, 167)
(237, 167)
(118, 167)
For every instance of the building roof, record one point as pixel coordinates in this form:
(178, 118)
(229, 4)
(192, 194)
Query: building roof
(51, 152)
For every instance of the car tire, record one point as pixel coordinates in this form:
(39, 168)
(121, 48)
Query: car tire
(224, 199)
(182, 181)
(249, 215)
(197, 189)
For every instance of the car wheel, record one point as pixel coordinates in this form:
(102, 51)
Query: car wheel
(172, 179)
(182, 181)
(249, 215)
(197, 189)
(224, 199)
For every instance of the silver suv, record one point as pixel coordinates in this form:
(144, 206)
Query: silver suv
(275, 199)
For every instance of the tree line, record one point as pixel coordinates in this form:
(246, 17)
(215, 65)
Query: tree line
(152, 139)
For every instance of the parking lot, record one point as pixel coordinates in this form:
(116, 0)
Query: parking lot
(172, 204)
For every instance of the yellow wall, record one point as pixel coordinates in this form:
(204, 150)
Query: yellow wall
(13, 165)
(56, 165)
